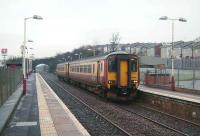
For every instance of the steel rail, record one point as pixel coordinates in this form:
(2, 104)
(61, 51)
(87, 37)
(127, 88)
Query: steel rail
(172, 116)
(156, 122)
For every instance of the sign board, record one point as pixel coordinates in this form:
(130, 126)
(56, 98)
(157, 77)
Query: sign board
(4, 51)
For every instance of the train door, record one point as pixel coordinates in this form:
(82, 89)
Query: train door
(98, 72)
(67, 70)
(123, 73)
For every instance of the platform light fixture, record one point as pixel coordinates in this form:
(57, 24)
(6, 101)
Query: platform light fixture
(23, 48)
(172, 46)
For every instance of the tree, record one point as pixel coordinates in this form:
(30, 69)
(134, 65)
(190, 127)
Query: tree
(114, 41)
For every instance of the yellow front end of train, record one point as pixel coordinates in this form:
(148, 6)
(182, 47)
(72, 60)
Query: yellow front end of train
(122, 76)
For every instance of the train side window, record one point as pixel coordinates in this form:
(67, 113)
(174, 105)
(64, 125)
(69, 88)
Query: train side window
(112, 65)
(85, 68)
(89, 69)
(81, 68)
(101, 67)
(77, 68)
(73, 68)
(70, 69)
(93, 68)
(133, 66)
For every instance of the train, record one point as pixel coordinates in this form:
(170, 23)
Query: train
(114, 76)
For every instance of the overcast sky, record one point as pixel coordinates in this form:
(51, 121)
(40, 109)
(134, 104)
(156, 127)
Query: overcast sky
(69, 24)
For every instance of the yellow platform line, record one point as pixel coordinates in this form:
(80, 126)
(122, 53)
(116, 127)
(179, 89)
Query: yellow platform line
(47, 127)
(78, 125)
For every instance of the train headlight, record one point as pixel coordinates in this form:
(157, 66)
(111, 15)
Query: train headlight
(134, 81)
(111, 81)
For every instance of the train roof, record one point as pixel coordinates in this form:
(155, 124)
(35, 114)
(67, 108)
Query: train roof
(94, 58)
(62, 63)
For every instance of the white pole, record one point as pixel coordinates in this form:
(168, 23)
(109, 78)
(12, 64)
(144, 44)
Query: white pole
(172, 76)
(24, 52)
(172, 48)
(94, 52)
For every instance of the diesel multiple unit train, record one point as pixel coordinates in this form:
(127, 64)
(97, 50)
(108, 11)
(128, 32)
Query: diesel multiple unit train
(115, 76)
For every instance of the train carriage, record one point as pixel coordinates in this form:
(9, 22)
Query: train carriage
(62, 71)
(115, 75)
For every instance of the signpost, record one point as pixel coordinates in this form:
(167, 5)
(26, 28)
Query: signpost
(4, 54)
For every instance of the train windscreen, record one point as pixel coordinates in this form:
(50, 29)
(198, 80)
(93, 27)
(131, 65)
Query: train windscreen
(133, 65)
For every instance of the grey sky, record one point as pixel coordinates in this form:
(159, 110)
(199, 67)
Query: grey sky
(69, 24)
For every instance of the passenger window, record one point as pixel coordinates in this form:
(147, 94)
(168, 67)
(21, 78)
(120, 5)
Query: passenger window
(89, 68)
(93, 68)
(85, 68)
(112, 65)
(81, 68)
(77, 68)
(133, 66)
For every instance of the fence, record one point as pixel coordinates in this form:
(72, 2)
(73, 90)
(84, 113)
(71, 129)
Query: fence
(184, 63)
(187, 73)
(9, 79)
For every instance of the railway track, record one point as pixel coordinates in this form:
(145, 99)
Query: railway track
(119, 107)
(172, 116)
(154, 121)
(52, 83)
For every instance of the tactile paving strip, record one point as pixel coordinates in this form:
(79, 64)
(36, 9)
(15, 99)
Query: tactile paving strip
(47, 127)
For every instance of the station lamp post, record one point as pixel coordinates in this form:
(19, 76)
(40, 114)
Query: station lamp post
(92, 50)
(24, 50)
(78, 54)
(172, 46)
(31, 41)
(69, 58)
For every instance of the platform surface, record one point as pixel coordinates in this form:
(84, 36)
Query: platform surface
(55, 118)
(25, 119)
(171, 94)
(41, 112)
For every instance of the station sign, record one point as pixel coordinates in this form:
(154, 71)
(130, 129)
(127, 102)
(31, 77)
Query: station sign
(4, 51)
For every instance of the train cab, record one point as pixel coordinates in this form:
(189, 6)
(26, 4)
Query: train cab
(122, 75)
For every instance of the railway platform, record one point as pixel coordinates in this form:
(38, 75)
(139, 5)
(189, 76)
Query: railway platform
(171, 94)
(41, 112)
(182, 105)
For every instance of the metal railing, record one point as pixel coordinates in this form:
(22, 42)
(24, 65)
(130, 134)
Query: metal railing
(10, 78)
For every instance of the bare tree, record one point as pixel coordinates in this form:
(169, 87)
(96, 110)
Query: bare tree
(114, 41)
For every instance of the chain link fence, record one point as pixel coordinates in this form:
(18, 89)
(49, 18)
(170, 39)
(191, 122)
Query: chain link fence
(187, 73)
(9, 80)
